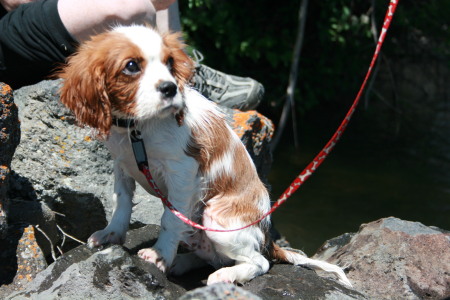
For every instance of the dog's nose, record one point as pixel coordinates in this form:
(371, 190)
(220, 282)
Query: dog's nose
(167, 88)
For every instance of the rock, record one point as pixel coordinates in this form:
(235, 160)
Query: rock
(22, 238)
(21, 259)
(219, 291)
(392, 258)
(9, 139)
(63, 176)
(60, 164)
(108, 274)
(30, 258)
(386, 259)
(256, 132)
(117, 273)
(52, 162)
(37, 214)
(111, 273)
(297, 282)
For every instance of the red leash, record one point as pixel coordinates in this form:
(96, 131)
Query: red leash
(141, 158)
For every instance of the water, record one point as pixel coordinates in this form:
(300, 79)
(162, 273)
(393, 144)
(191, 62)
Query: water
(358, 183)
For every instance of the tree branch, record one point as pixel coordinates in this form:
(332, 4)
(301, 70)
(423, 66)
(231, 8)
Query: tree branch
(290, 103)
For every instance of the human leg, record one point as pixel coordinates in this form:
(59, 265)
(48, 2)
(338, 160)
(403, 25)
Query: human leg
(243, 93)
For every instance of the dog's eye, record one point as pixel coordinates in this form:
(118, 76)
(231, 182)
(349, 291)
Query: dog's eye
(169, 64)
(132, 68)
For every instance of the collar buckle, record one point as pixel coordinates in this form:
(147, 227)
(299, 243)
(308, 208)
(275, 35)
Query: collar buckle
(138, 146)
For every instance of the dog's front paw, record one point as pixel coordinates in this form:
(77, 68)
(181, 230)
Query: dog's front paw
(224, 275)
(154, 257)
(106, 236)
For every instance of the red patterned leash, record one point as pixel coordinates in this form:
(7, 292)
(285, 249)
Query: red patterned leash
(141, 158)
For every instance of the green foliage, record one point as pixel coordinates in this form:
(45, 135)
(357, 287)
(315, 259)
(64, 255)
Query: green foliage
(344, 21)
(256, 39)
(227, 31)
(422, 26)
(198, 3)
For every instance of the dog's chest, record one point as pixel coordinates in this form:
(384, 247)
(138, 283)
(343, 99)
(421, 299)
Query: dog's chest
(165, 150)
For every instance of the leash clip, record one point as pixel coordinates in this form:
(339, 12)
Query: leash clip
(140, 155)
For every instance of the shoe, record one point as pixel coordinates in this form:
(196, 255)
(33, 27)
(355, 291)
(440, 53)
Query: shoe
(227, 90)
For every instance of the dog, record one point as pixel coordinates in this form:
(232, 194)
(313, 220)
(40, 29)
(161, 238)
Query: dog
(134, 75)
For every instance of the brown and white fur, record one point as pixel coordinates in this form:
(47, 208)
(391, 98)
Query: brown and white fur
(195, 158)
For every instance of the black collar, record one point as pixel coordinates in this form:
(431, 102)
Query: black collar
(124, 123)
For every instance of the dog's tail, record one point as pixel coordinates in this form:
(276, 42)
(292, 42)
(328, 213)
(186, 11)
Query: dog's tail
(291, 256)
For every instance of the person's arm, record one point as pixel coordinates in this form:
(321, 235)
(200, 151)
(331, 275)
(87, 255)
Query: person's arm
(10, 5)
(169, 19)
(83, 18)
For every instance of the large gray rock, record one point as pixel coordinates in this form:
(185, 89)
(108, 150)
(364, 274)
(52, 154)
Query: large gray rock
(21, 259)
(110, 273)
(117, 273)
(298, 282)
(386, 259)
(219, 291)
(391, 258)
(60, 164)
(64, 177)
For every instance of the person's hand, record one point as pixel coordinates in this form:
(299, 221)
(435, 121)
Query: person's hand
(10, 5)
(159, 4)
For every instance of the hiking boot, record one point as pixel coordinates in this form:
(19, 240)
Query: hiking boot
(227, 90)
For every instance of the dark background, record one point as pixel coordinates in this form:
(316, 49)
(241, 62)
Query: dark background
(394, 157)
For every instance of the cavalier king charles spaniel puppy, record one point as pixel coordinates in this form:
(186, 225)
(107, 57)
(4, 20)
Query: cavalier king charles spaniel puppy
(134, 75)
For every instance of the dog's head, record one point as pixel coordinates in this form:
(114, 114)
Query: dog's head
(128, 72)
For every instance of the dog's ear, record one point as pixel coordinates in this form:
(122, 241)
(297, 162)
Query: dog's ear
(182, 64)
(84, 90)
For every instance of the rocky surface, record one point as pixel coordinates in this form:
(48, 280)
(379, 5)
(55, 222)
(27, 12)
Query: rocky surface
(21, 258)
(394, 257)
(61, 185)
(116, 272)
(394, 269)
(62, 177)
(220, 292)
(110, 273)
(61, 165)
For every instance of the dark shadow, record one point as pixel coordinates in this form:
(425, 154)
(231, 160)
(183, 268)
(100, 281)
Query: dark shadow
(75, 207)
(193, 279)
(8, 248)
(21, 187)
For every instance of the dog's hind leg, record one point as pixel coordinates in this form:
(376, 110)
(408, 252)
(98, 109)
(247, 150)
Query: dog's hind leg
(243, 271)
(243, 248)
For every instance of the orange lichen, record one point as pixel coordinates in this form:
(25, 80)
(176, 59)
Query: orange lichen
(30, 259)
(251, 122)
(5, 89)
(240, 124)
